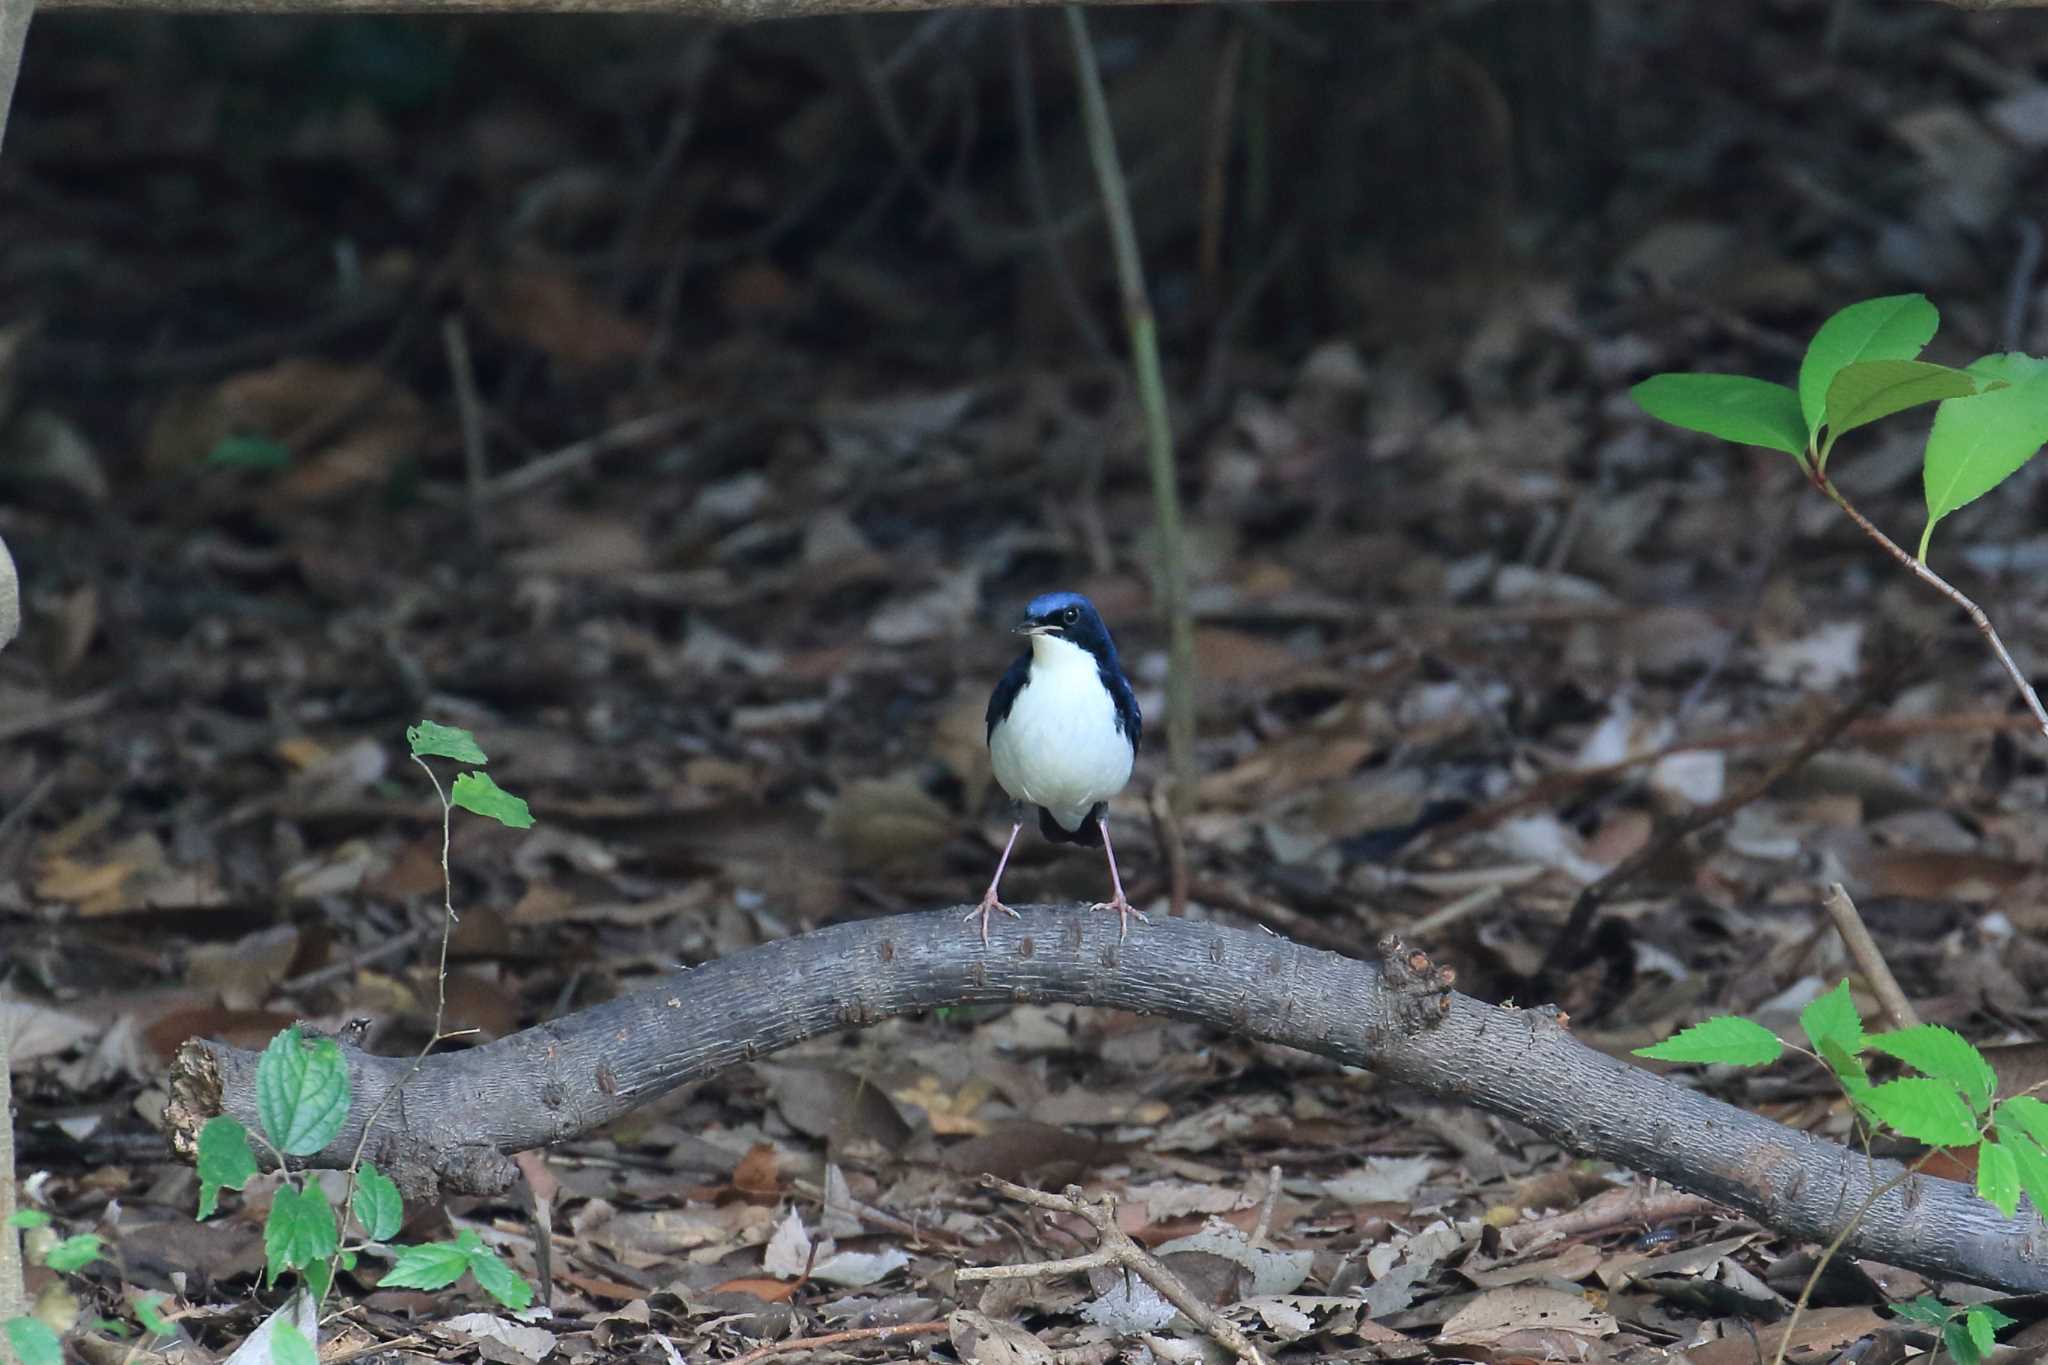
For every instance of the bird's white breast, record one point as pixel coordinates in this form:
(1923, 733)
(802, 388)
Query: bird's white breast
(1059, 747)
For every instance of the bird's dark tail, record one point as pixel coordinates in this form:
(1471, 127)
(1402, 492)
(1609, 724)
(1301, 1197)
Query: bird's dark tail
(1089, 835)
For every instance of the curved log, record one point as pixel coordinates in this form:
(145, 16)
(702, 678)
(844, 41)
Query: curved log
(457, 1120)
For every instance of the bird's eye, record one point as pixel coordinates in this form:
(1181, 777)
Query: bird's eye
(1072, 614)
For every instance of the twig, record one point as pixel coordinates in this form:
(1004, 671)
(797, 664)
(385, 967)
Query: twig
(1632, 1206)
(377, 952)
(1863, 952)
(1589, 901)
(475, 458)
(1265, 1224)
(1114, 1248)
(1918, 568)
(2019, 288)
(1828, 1253)
(14, 15)
(889, 1333)
(56, 716)
(1031, 167)
(578, 454)
(1130, 270)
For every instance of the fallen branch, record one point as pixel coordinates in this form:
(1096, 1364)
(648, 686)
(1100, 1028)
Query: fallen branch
(456, 1122)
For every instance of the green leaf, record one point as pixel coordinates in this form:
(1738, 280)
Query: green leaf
(249, 452)
(1926, 1308)
(1976, 443)
(476, 792)
(429, 740)
(300, 1229)
(302, 1092)
(147, 1313)
(288, 1345)
(435, 1265)
(499, 1280)
(1945, 1055)
(1734, 407)
(2031, 1161)
(1725, 1038)
(73, 1253)
(1890, 328)
(1998, 1177)
(33, 1342)
(319, 1277)
(2006, 367)
(377, 1204)
(1955, 1335)
(1924, 1110)
(1848, 1068)
(225, 1161)
(28, 1218)
(1834, 1016)
(2025, 1114)
(1870, 389)
(1993, 1319)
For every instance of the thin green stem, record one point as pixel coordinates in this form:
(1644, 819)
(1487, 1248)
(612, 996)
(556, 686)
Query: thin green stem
(1130, 270)
(1828, 1254)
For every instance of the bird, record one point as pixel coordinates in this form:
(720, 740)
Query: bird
(1063, 731)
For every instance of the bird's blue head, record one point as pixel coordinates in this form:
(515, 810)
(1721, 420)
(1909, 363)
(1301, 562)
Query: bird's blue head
(1069, 616)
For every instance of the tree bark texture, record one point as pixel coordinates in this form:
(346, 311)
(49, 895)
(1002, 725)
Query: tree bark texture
(457, 1120)
(727, 11)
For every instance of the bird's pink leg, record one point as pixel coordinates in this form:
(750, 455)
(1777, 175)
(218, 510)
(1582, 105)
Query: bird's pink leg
(1124, 909)
(989, 903)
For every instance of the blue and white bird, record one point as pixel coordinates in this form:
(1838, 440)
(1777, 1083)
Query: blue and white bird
(1063, 730)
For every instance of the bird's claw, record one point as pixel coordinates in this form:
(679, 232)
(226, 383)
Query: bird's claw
(989, 905)
(1124, 910)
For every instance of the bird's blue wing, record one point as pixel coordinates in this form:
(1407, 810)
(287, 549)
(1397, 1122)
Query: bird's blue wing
(1128, 718)
(1005, 696)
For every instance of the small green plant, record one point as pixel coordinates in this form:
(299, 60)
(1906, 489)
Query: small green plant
(1862, 366)
(302, 1100)
(1951, 1101)
(32, 1340)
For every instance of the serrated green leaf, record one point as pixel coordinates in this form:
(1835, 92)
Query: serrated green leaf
(377, 1204)
(319, 1278)
(1847, 1066)
(1999, 1321)
(1924, 1110)
(2032, 1162)
(1725, 1039)
(431, 740)
(1834, 1016)
(1870, 389)
(434, 1265)
(476, 792)
(2026, 1115)
(288, 1345)
(225, 1161)
(1733, 407)
(499, 1280)
(2007, 367)
(152, 1319)
(1977, 443)
(302, 1092)
(33, 1342)
(28, 1218)
(1890, 328)
(1945, 1055)
(1998, 1177)
(1925, 1308)
(73, 1253)
(300, 1229)
(1955, 1335)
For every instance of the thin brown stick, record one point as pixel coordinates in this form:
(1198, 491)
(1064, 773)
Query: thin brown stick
(889, 1333)
(1114, 1248)
(578, 455)
(469, 406)
(1863, 952)
(1580, 920)
(1919, 570)
(1635, 1206)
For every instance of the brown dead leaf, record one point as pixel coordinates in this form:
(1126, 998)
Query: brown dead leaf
(1930, 875)
(548, 309)
(757, 1171)
(983, 1340)
(884, 822)
(240, 974)
(768, 1291)
(1499, 1315)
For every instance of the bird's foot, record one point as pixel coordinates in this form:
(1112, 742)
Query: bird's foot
(989, 905)
(1124, 910)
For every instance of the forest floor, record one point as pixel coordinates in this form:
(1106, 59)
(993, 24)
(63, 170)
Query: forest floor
(723, 571)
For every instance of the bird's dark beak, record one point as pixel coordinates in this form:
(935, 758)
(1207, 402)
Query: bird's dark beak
(1036, 628)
